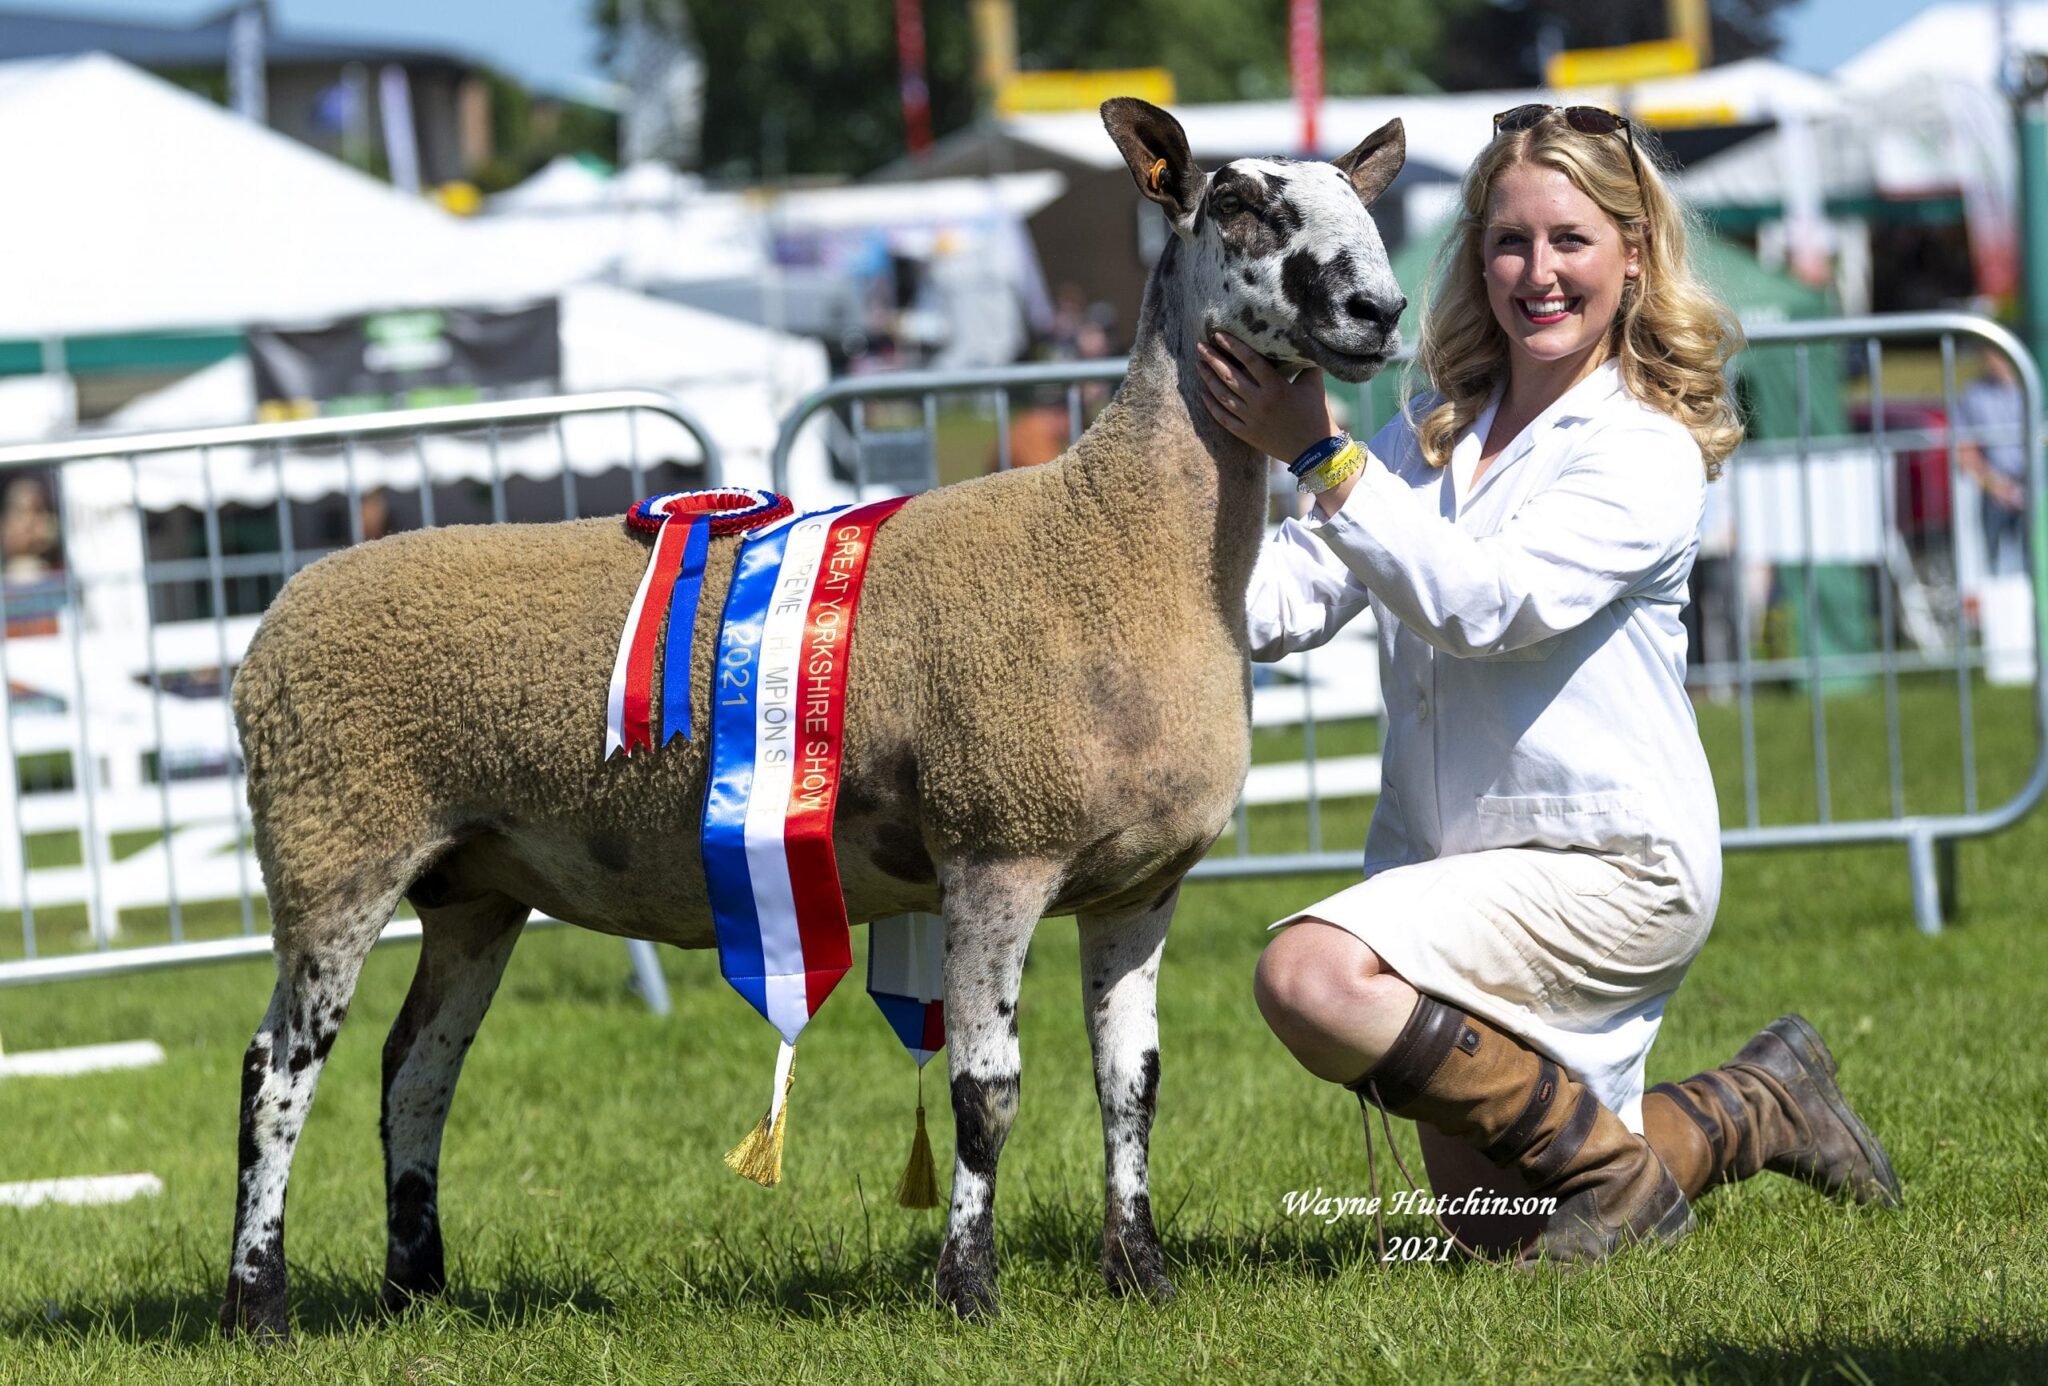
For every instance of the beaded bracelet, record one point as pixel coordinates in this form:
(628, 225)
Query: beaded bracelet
(1334, 472)
(1318, 453)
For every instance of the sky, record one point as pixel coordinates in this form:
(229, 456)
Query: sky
(546, 42)
(551, 42)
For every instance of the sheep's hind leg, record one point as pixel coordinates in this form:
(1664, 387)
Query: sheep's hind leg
(319, 957)
(463, 951)
(991, 909)
(1120, 988)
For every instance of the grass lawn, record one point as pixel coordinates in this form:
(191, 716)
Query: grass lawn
(594, 1235)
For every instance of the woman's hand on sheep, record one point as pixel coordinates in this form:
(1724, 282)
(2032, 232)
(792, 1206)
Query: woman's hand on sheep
(1243, 392)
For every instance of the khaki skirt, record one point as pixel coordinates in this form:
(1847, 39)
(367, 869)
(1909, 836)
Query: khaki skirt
(1576, 952)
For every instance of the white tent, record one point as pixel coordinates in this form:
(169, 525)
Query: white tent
(654, 228)
(135, 206)
(646, 225)
(564, 183)
(1945, 41)
(1920, 115)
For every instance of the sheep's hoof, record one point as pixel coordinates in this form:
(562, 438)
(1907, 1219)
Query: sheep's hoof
(1135, 1268)
(967, 1283)
(1154, 1286)
(399, 1295)
(263, 1323)
(967, 1271)
(970, 1298)
(1132, 1262)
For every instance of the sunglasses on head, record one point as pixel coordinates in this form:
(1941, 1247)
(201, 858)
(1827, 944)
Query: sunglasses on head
(1587, 120)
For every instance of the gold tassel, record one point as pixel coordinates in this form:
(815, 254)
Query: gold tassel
(920, 1186)
(759, 1156)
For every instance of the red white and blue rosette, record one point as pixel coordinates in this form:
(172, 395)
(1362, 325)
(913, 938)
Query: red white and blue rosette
(683, 523)
(730, 508)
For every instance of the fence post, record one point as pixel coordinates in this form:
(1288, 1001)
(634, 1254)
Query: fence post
(647, 978)
(1922, 860)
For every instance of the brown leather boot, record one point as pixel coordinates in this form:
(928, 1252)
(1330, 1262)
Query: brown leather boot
(1520, 1110)
(1773, 1106)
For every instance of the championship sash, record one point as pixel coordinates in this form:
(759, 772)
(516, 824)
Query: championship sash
(777, 720)
(777, 736)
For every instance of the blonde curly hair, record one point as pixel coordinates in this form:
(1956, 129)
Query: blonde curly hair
(1672, 337)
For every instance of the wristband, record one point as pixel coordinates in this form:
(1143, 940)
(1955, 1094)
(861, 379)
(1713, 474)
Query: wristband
(1317, 454)
(1334, 472)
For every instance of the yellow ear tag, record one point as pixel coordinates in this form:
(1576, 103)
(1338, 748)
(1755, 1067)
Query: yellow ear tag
(1157, 168)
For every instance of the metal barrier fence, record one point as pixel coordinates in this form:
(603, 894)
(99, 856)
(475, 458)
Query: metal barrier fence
(129, 847)
(116, 737)
(1882, 507)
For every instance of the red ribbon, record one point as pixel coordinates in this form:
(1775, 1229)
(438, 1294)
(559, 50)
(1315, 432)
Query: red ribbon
(668, 561)
(820, 726)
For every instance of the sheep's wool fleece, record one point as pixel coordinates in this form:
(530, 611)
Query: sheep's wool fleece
(1034, 650)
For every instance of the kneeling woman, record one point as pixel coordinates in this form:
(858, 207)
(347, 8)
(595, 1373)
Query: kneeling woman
(1545, 858)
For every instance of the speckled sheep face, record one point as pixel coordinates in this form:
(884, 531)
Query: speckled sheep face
(1281, 252)
(1284, 254)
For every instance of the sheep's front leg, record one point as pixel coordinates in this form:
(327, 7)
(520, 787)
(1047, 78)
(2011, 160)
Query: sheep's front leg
(1120, 988)
(991, 909)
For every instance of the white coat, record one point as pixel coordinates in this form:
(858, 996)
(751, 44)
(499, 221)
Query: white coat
(1531, 656)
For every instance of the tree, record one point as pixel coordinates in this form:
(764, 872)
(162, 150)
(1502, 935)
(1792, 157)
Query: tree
(1501, 43)
(799, 86)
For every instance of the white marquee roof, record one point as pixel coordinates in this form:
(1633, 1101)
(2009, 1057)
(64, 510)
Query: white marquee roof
(136, 206)
(1954, 40)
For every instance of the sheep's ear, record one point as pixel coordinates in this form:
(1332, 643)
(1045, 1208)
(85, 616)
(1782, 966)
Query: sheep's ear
(1372, 165)
(1156, 148)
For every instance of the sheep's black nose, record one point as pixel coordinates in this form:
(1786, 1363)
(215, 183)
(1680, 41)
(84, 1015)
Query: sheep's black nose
(1380, 315)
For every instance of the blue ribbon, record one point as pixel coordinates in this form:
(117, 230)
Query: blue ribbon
(682, 631)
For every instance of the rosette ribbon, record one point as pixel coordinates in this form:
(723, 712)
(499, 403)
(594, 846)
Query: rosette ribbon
(683, 523)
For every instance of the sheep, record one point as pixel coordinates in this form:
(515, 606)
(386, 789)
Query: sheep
(1048, 713)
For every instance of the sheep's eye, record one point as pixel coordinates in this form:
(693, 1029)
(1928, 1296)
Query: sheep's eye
(1227, 204)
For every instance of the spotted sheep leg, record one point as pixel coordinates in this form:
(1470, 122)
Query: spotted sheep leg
(463, 951)
(1120, 988)
(316, 979)
(990, 911)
